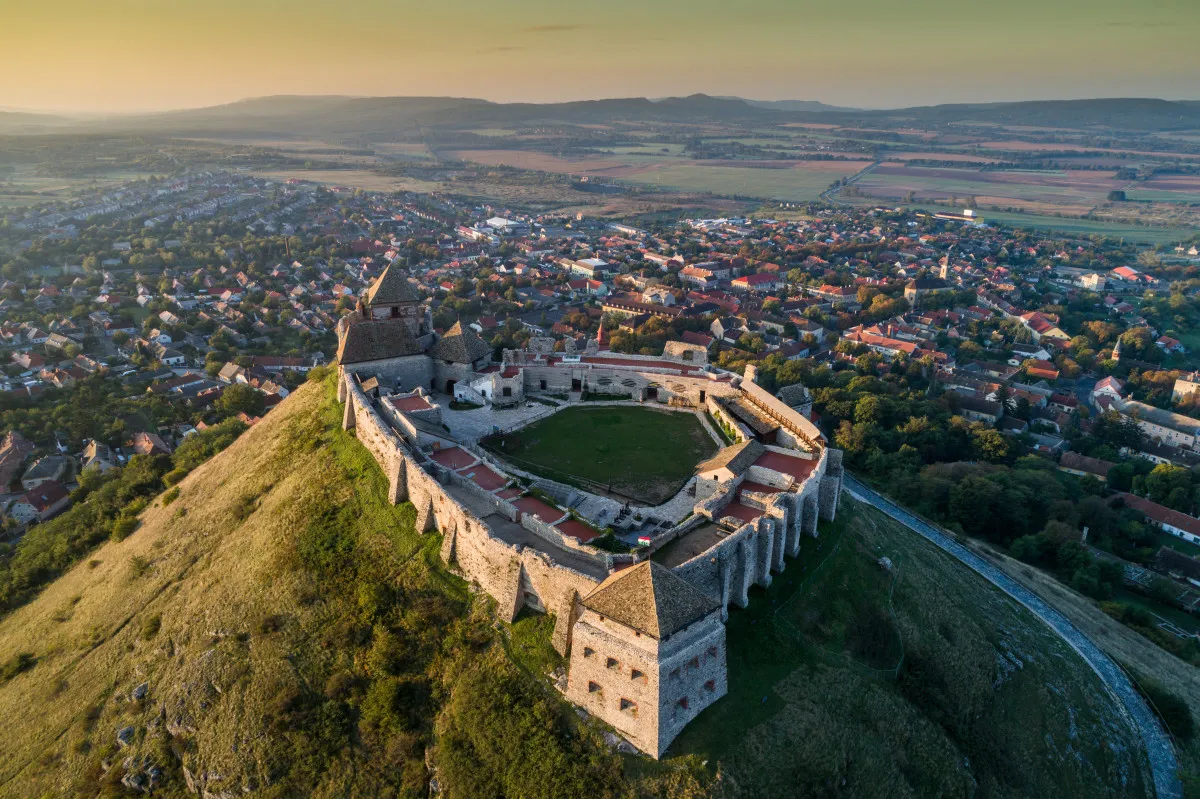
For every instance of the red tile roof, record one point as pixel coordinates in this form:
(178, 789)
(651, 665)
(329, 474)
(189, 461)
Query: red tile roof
(414, 403)
(536, 508)
(483, 477)
(577, 529)
(799, 468)
(744, 513)
(453, 458)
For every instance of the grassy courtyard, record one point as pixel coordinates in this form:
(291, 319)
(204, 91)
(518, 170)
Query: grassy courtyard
(642, 453)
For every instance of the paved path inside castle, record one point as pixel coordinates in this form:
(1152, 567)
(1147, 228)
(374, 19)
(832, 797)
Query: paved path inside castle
(474, 424)
(1161, 754)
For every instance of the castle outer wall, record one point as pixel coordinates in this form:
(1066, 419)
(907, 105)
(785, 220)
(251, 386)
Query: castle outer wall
(487, 539)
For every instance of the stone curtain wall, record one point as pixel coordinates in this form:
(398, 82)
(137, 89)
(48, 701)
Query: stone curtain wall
(497, 566)
(405, 373)
(750, 554)
(720, 414)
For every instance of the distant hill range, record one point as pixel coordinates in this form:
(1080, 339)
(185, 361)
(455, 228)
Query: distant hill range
(382, 117)
(20, 122)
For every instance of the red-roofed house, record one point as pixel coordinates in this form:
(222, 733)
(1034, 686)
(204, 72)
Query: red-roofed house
(40, 503)
(757, 282)
(1042, 370)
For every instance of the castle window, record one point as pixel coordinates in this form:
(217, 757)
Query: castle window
(588, 651)
(712, 651)
(594, 688)
(638, 675)
(508, 391)
(628, 706)
(710, 686)
(675, 674)
(542, 384)
(694, 663)
(612, 663)
(683, 703)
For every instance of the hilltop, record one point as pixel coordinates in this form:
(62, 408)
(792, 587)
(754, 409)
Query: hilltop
(279, 628)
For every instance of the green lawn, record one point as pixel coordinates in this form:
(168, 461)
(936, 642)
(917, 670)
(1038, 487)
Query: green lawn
(643, 453)
(986, 702)
(1178, 544)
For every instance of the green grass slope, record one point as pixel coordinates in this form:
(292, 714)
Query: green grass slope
(279, 630)
(295, 637)
(846, 678)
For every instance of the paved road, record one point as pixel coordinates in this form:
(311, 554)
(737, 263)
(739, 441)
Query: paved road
(1159, 750)
(1083, 391)
(828, 194)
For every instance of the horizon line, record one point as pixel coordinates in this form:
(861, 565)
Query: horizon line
(94, 114)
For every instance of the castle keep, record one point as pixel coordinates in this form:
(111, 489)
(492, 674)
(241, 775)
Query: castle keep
(643, 632)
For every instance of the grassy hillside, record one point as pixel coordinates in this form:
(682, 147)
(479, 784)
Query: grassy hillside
(294, 637)
(278, 628)
(848, 678)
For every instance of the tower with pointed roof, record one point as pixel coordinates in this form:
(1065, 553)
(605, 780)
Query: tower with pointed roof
(393, 297)
(389, 334)
(647, 654)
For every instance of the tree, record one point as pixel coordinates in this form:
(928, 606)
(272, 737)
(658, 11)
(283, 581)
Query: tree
(1116, 196)
(240, 398)
(1170, 485)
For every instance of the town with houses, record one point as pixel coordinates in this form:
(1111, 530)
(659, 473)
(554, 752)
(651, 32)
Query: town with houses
(210, 298)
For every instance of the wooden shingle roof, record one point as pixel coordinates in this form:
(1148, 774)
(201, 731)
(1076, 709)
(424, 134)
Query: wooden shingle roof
(735, 458)
(460, 345)
(392, 288)
(376, 340)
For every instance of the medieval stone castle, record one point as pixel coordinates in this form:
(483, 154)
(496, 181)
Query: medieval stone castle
(643, 633)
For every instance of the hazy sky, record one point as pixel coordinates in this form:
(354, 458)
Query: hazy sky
(126, 55)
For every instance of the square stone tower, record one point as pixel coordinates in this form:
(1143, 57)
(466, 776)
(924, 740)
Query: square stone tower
(647, 654)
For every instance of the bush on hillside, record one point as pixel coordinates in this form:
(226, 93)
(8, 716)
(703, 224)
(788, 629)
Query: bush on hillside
(1171, 708)
(105, 506)
(503, 735)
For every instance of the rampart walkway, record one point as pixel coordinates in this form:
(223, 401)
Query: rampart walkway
(1159, 750)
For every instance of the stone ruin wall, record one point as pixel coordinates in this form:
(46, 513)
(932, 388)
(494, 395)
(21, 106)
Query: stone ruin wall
(726, 571)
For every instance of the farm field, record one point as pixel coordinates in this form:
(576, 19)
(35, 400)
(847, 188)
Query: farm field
(406, 150)
(839, 660)
(1167, 188)
(1149, 235)
(782, 180)
(804, 181)
(23, 186)
(1067, 191)
(365, 179)
(643, 453)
